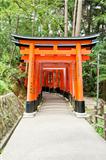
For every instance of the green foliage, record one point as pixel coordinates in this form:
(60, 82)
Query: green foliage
(10, 78)
(38, 18)
(3, 88)
(94, 17)
(101, 50)
(99, 129)
(89, 76)
(90, 68)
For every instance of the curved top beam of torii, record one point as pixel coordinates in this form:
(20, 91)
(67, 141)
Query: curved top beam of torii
(51, 42)
(55, 46)
(45, 43)
(89, 37)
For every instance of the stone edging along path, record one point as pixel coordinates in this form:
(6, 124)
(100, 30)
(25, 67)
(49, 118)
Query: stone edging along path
(11, 111)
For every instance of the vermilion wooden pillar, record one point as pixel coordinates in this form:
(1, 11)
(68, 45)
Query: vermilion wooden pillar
(57, 81)
(47, 78)
(64, 77)
(66, 92)
(53, 80)
(50, 81)
(67, 80)
(36, 83)
(39, 83)
(41, 78)
(43, 84)
(73, 80)
(61, 82)
(38, 79)
(70, 73)
(56, 78)
(30, 104)
(79, 101)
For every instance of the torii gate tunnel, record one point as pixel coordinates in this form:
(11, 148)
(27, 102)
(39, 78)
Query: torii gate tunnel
(55, 65)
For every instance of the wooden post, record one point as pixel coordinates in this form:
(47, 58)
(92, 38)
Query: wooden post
(62, 82)
(71, 79)
(40, 77)
(64, 78)
(56, 78)
(30, 104)
(51, 83)
(53, 80)
(95, 118)
(39, 83)
(101, 107)
(69, 76)
(70, 82)
(98, 68)
(47, 78)
(42, 80)
(75, 82)
(79, 102)
(50, 77)
(36, 78)
(43, 84)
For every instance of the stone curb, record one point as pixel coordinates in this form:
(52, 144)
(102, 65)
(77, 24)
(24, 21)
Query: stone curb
(8, 135)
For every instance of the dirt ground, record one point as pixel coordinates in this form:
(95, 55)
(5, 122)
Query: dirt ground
(90, 102)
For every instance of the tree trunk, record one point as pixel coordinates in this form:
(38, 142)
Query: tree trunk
(74, 18)
(78, 21)
(89, 18)
(33, 19)
(14, 46)
(66, 18)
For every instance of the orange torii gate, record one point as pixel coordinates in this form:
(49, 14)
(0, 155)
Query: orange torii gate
(46, 56)
(55, 82)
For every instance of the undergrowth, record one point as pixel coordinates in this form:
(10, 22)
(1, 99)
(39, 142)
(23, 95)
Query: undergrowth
(100, 130)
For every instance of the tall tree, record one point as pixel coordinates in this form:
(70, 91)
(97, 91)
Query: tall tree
(78, 18)
(74, 18)
(66, 18)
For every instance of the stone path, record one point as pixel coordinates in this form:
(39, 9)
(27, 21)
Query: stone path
(54, 134)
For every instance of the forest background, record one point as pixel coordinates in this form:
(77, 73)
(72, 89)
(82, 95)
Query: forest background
(43, 18)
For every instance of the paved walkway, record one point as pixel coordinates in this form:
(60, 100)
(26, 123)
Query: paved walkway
(54, 134)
